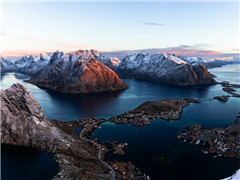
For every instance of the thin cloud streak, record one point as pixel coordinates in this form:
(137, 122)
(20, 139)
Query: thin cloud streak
(151, 23)
(184, 50)
(43, 40)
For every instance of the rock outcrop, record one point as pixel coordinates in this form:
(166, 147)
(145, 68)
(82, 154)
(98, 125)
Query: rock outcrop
(163, 68)
(23, 123)
(222, 98)
(77, 72)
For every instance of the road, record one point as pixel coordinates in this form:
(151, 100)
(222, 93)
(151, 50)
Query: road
(100, 150)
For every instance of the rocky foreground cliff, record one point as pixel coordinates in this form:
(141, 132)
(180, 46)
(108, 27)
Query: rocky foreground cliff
(25, 124)
(77, 73)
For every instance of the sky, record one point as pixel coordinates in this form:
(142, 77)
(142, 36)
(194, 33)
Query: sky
(35, 27)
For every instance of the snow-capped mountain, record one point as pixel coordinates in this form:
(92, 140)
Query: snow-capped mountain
(193, 60)
(77, 72)
(6, 65)
(17, 66)
(163, 68)
(110, 62)
(34, 67)
(207, 63)
(27, 65)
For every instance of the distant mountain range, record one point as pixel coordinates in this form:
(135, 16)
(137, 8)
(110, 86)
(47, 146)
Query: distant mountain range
(86, 71)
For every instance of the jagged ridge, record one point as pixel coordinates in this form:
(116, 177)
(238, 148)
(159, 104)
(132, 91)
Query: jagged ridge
(77, 72)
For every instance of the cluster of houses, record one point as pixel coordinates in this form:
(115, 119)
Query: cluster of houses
(136, 119)
(219, 141)
(142, 118)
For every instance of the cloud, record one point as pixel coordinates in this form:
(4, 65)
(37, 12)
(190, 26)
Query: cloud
(59, 43)
(151, 23)
(44, 40)
(184, 50)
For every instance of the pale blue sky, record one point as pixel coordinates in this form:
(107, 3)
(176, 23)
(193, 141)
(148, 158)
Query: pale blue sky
(50, 26)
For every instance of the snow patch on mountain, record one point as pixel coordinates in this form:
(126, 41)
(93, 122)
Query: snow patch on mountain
(163, 68)
(77, 72)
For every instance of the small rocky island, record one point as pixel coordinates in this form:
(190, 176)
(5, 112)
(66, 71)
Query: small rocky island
(230, 88)
(169, 109)
(222, 98)
(218, 141)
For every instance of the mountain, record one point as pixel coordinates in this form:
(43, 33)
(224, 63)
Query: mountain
(207, 63)
(35, 66)
(109, 62)
(6, 65)
(163, 68)
(27, 65)
(78, 72)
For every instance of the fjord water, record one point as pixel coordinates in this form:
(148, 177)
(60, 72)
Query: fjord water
(155, 149)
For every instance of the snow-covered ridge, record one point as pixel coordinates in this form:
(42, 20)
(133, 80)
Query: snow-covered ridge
(77, 72)
(29, 65)
(33, 65)
(210, 63)
(193, 60)
(166, 68)
(163, 68)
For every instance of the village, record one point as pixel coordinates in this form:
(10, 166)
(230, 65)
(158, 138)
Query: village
(218, 141)
(170, 109)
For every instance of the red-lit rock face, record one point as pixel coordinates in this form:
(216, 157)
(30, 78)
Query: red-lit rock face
(77, 74)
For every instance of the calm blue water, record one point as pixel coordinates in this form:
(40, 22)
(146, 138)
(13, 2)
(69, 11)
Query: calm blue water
(26, 163)
(149, 143)
(227, 73)
(67, 107)
(160, 140)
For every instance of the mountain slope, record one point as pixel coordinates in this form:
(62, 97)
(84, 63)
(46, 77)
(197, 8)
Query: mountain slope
(77, 72)
(27, 65)
(208, 63)
(163, 68)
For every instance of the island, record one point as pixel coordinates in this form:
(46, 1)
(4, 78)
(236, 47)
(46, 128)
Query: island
(230, 88)
(218, 141)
